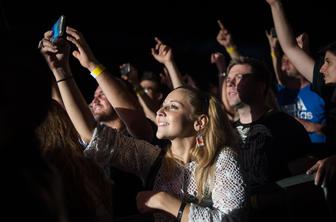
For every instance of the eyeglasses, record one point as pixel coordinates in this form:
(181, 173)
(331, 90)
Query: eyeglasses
(237, 78)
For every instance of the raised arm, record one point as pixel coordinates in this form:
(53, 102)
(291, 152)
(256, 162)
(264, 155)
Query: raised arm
(124, 103)
(300, 59)
(163, 54)
(57, 57)
(219, 60)
(165, 79)
(276, 56)
(145, 101)
(55, 93)
(225, 39)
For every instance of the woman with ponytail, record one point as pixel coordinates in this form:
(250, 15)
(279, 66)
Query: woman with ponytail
(197, 177)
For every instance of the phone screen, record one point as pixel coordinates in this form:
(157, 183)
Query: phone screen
(125, 69)
(58, 28)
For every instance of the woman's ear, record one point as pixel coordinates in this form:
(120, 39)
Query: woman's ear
(201, 122)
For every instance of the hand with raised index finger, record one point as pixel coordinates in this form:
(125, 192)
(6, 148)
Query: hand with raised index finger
(162, 53)
(224, 37)
(83, 53)
(272, 40)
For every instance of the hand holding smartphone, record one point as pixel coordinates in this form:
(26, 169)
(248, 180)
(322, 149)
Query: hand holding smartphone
(125, 69)
(58, 29)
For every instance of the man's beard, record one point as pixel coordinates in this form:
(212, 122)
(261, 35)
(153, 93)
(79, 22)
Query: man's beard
(101, 117)
(105, 116)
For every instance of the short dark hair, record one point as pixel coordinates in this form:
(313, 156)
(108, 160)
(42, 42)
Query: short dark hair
(330, 47)
(149, 75)
(152, 76)
(259, 69)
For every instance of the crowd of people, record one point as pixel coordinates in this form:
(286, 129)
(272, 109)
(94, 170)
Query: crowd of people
(155, 147)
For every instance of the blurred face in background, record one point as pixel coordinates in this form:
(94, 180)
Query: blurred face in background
(288, 67)
(151, 88)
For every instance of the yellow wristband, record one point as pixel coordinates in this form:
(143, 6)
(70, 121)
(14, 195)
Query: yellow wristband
(230, 50)
(273, 54)
(97, 71)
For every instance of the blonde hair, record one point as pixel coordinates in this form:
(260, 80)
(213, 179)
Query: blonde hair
(217, 134)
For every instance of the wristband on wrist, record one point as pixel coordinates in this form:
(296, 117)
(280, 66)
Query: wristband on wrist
(273, 54)
(230, 50)
(97, 71)
(138, 89)
(180, 211)
(64, 79)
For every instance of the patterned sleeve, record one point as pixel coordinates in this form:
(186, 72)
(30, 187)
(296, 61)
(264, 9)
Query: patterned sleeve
(228, 195)
(110, 148)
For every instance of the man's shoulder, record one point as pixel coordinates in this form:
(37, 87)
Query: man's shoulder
(275, 116)
(277, 120)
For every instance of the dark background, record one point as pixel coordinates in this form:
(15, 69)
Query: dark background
(122, 31)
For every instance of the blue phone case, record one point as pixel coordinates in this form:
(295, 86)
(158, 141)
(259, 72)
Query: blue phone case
(58, 29)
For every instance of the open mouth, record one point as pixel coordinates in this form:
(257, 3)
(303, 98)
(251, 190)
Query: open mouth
(162, 124)
(232, 93)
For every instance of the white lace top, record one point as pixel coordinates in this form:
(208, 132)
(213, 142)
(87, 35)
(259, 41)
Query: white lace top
(225, 202)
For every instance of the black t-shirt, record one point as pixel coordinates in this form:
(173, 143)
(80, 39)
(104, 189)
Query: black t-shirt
(269, 144)
(327, 92)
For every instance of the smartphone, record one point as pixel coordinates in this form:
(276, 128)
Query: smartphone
(273, 32)
(58, 29)
(125, 69)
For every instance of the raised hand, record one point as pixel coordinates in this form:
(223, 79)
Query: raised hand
(83, 52)
(165, 78)
(56, 55)
(224, 36)
(303, 41)
(218, 59)
(162, 53)
(132, 76)
(272, 40)
(189, 81)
